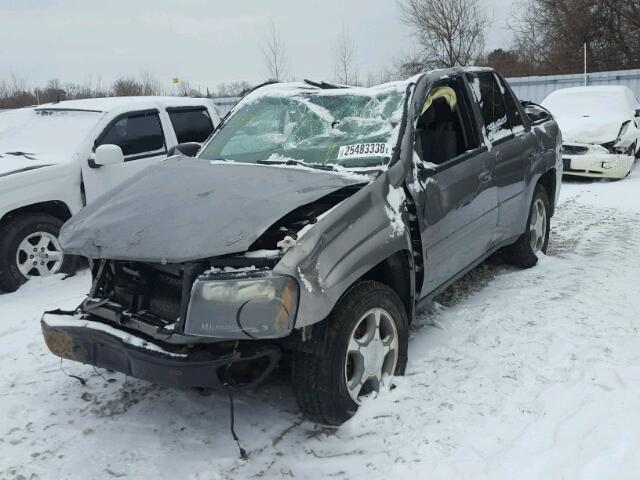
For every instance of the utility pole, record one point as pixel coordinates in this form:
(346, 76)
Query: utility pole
(586, 81)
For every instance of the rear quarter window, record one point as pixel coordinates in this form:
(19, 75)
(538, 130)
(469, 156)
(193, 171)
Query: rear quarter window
(191, 125)
(513, 113)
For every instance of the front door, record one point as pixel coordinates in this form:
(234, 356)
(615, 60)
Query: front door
(140, 136)
(455, 189)
(513, 146)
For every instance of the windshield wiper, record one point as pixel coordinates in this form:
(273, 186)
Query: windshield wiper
(22, 154)
(298, 163)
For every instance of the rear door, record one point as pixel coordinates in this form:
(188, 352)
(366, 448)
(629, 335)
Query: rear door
(191, 124)
(455, 192)
(513, 145)
(141, 136)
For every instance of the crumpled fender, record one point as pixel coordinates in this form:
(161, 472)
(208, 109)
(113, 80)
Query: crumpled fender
(350, 240)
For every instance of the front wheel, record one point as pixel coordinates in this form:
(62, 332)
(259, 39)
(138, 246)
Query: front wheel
(29, 248)
(524, 253)
(364, 345)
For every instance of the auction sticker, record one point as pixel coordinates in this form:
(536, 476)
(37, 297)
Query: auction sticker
(364, 150)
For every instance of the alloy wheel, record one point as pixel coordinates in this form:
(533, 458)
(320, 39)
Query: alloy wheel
(39, 255)
(372, 354)
(538, 225)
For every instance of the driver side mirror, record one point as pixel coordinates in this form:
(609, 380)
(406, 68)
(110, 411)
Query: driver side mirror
(638, 112)
(188, 149)
(535, 112)
(106, 155)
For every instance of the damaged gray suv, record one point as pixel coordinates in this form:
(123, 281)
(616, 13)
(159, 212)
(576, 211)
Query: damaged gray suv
(313, 224)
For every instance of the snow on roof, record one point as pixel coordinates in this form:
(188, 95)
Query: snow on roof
(592, 90)
(107, 104)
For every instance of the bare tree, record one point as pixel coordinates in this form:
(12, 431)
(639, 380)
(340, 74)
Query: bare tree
(184, 88)
(275, 54)
(629, 9)
(53, 92)
(126, 87)
(344, 57)
(450, 32)
(551, 35)
(150, 84)
(383, 76)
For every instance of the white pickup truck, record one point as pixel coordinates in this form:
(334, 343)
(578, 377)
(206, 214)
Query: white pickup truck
(55, 158)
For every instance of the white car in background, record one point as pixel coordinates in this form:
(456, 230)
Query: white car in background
(55, 158)
(600, 129)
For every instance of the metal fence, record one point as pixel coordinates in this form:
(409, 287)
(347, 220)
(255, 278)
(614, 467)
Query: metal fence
(536, 89)
(224, 104)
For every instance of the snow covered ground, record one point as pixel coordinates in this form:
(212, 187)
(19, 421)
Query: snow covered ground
(515, 374)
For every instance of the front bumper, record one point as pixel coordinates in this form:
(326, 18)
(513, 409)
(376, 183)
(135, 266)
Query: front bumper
(598, 165)
(83, 340)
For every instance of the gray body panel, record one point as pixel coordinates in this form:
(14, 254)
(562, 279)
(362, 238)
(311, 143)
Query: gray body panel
(343, 246)
(188, 209)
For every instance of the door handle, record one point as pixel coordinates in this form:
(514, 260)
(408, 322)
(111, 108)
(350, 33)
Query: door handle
(485, 177)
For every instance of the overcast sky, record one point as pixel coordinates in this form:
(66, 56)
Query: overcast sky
(202, 41)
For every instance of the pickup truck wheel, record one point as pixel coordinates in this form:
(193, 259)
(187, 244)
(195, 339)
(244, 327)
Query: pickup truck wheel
(364, 345)
(524, 253)
(29, 248)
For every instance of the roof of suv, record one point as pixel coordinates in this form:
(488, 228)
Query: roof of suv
(108, 104)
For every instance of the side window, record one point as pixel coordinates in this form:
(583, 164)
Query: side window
(513, 114)
(492, 107)
(136, 134)
(442, 131)
(191, 125)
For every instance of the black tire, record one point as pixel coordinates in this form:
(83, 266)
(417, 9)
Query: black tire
(522, 253)
(318, 378)
(12, 233)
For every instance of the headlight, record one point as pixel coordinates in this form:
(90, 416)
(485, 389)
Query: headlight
(624, 129)
(240, 308)
(239, 291)
(598, 149)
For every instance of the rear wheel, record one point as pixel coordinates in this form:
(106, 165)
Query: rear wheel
(365, 345)
(29, 248)
(524, 253)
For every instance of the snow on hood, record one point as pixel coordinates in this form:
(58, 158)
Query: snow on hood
(45, 136)
(586, 129)
(589, 114)
(187, 209)
(12, 164)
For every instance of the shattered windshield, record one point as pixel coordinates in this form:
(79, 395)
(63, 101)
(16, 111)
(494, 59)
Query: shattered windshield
(351, 127)
(36, 132)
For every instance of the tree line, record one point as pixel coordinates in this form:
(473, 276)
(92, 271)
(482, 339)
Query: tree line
(549, 37)
(15, 92)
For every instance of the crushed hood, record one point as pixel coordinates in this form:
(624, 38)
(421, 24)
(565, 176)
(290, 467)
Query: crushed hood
(593, 130)
(187, 209)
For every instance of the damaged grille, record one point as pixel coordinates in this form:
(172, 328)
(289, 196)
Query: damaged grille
(144, 288)
(165, 296)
